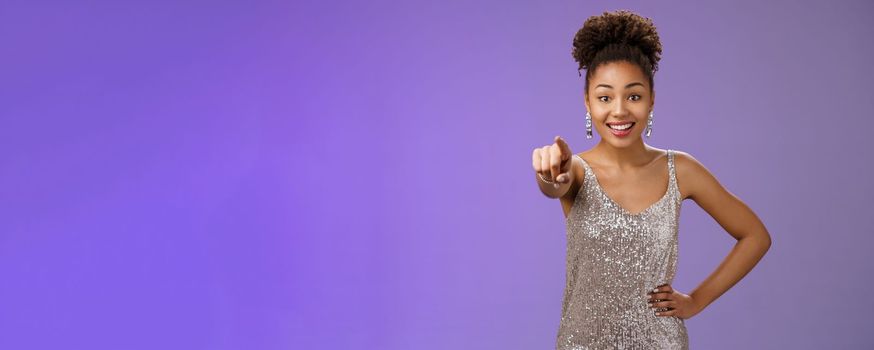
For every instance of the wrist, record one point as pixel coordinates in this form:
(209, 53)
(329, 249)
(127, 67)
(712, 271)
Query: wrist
(698, 302)
(553, 181)
(545, 180)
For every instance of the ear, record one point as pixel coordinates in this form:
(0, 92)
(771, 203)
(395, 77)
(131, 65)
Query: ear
(652, 103)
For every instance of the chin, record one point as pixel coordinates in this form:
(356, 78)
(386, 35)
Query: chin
(627, 142)
(620, 142)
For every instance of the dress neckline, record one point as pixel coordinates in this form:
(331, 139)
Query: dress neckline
(620, 207)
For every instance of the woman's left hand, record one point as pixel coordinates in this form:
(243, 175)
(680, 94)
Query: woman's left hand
(677, 304)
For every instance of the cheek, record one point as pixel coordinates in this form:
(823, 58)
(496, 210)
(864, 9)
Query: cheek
(600, 114)
(597, 118)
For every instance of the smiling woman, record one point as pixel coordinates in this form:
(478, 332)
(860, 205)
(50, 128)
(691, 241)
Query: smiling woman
(622, 200)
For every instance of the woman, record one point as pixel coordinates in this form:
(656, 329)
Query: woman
(621, 217)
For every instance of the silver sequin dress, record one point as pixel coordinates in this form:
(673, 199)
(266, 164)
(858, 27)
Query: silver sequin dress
(614, 258)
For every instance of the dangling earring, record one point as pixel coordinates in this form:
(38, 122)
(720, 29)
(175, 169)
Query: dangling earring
(588, 126)
(649, 125)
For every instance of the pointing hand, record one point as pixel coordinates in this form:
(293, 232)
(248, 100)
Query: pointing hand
(552, 162)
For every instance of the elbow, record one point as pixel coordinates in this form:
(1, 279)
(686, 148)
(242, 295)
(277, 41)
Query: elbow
(761, 240)
(765, 241)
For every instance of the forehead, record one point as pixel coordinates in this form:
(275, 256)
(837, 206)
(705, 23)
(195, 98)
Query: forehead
(618, 73)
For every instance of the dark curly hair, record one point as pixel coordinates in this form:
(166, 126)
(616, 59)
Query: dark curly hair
(617, 36)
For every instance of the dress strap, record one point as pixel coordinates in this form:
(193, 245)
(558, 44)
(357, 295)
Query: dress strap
(671, 169)
(672, 174)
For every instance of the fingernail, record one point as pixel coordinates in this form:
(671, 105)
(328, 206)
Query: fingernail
(655, 290)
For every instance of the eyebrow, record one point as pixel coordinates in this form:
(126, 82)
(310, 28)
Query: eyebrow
(626, 86)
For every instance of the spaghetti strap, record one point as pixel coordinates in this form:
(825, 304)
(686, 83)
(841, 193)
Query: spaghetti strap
(672, 174)
(671, 169)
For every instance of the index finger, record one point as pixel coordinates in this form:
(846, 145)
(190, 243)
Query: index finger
(565, 149)
(661, 289)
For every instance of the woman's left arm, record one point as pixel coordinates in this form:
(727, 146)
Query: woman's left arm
(753, 239)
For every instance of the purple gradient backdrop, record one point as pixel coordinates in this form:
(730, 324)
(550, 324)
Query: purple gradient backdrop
(324, 175)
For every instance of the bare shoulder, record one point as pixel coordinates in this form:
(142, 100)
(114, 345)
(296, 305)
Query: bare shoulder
(693, 178)
(585, 154)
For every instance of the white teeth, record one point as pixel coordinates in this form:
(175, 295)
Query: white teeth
(620, 127)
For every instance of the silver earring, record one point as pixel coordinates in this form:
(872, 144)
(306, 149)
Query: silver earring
(649, 125)
(588, 126)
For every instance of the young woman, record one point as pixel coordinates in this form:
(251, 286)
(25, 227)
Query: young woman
(622, 198)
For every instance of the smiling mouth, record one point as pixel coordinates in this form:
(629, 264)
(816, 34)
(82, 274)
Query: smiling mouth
(621, 127)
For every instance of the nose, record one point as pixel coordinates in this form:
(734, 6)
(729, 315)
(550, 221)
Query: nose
(620, 108)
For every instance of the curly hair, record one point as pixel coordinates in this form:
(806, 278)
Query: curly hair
(617, 36)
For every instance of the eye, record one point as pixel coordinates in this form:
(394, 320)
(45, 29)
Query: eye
(602, 97)
(638, 97)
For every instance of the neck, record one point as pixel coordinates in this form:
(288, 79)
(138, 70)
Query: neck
(632, 156)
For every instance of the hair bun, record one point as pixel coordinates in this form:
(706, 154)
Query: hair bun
(621, 27)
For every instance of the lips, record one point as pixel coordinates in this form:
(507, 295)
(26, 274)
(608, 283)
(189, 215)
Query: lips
(620, 126)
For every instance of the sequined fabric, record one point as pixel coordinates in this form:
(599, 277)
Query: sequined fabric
(614, 258)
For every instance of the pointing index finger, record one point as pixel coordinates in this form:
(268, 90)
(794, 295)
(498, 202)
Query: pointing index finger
(565, 149)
